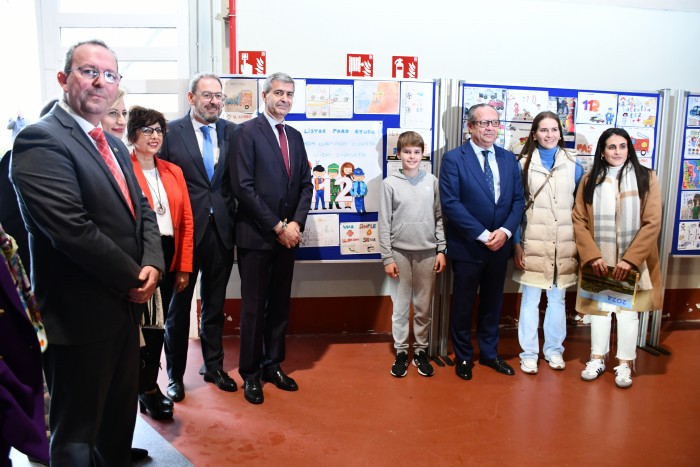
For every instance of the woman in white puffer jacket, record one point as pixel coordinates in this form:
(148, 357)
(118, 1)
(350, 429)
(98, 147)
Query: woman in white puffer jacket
(545, 249)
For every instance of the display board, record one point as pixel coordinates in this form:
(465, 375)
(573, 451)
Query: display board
(686, 230)
(584, 115)
(350, 129)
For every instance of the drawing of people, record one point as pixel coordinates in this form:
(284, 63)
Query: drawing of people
(319, 172)
(359, 190)
(687, 211)
(689, 175)
(334, 183)
(609, 116)
(346, 171)
(696, 208)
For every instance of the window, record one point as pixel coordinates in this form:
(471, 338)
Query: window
(121, 37)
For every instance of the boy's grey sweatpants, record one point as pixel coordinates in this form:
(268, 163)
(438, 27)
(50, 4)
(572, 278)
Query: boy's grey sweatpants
(415, 283)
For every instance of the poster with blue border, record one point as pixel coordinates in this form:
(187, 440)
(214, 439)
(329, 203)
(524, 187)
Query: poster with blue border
(686, 229)
(584, 115)
(349, 128)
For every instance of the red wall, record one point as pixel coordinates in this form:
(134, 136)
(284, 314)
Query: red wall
(336, 315)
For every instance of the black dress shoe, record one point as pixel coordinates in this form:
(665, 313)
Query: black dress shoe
(252, 390)
(138, 454)
(166, 401)
(176, 390)
(463, 369)
(279, 379)
(222, 380)
(499, 365)
(152, 404)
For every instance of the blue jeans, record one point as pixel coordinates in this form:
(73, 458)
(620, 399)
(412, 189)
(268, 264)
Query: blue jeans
(554, 322)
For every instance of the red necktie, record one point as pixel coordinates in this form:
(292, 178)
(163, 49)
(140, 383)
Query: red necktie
(98, 135)
(284, 147)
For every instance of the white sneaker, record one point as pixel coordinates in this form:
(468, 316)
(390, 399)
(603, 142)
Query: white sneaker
(556, 361)
(529, 366)
(623, 376)
(593, 369)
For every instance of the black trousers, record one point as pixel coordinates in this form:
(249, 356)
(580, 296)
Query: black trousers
(154, 338)
(93, 391)
(266, 286)
(215, 262)
(487, 275)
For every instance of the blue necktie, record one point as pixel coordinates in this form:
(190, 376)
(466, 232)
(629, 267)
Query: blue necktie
(488, 174)
(208, 152)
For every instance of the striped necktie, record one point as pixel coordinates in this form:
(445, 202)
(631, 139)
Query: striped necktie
(98, 135)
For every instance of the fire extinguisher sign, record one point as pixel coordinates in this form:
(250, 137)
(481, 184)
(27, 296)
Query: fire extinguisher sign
(252, 62)
(404, 67)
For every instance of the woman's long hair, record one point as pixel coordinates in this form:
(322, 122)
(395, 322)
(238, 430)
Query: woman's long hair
(531, 144)
(600, 166)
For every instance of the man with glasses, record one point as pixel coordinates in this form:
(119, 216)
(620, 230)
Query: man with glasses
(96, 260)
(198, 144)
(482, 198)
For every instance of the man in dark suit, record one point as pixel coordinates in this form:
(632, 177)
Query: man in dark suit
(96, 258)
(198, 143)
(271, 179)
(482, 198)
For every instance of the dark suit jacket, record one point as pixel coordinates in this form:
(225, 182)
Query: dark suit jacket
(468, 204)
(181, 148)
(265, 193)
(87, 248)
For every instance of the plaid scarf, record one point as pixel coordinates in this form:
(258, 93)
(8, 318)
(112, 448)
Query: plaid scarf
(13, 263)
(617, 223)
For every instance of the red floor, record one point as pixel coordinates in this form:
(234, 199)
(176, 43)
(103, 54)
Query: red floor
(350, 412)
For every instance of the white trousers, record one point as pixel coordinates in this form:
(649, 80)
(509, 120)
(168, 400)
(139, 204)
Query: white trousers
(627, 331)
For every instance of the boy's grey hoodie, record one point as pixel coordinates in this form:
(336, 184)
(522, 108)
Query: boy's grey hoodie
(410, 217)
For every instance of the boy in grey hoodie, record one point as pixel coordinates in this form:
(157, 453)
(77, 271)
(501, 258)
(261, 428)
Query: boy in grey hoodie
(412, 243)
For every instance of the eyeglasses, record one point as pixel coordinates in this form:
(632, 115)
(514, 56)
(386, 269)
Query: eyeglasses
(207, 96)
(148, 131)
(91, 73)
(486, 123)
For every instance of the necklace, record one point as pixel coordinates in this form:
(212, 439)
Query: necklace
(160, 209)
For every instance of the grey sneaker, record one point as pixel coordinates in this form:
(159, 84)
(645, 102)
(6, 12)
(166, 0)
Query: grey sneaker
(421, 361)
(400, 365)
